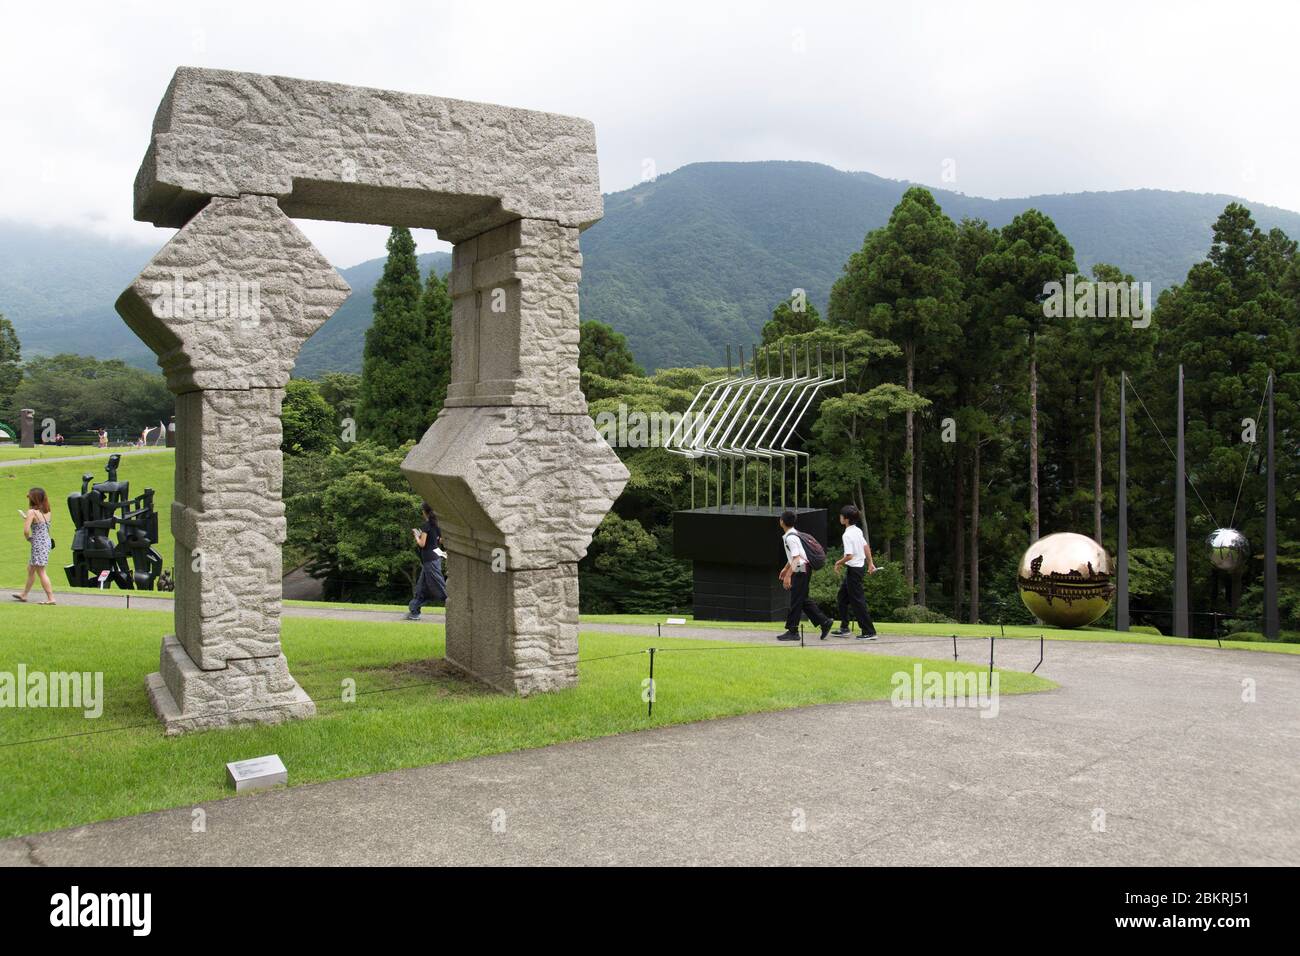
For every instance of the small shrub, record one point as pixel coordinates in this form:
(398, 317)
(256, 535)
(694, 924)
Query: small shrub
(1145, 629)
(915, 614)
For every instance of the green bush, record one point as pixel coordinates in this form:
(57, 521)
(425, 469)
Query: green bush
(306, 419)
(1253, 636)
(885, 588)
(1145, 629)
(915, 614)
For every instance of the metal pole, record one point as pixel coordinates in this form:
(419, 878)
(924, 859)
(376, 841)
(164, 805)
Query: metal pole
(650, 709)
(1121, 578)
(1182, 625)
(1272, 627)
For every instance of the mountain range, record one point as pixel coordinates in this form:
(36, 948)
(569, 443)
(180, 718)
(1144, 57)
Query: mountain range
(683, 265)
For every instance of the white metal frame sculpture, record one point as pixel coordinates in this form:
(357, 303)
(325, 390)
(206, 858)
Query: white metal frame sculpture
(753, 416)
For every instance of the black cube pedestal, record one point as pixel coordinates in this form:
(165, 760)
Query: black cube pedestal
(737, 555)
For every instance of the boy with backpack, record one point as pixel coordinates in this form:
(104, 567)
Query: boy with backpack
(803, 555)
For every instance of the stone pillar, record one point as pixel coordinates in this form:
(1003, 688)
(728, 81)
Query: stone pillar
(513, 466)
(26, 428)
(226, 305)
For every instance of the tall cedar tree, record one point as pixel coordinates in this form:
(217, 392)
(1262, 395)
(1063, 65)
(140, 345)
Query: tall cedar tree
(905, 286)
(791, 317)
(975, 362)
(1229, 324)
(1030, 253)
(11, 370)
(395, 373)
(435, 306)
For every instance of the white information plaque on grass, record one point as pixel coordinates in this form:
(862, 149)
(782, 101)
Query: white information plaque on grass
(258, 772)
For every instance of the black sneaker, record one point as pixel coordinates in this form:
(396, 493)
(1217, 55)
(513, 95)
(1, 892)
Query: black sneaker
(841, 632)
(867, 637)
(826, 629)
(790, 636)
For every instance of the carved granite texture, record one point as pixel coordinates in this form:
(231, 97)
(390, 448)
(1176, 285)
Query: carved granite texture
(228, 361)
(513, 466)
(518, 478)
(329, 151)
(538, 610)
(228, 521)
(515, 318)
(230, 299)
(259, 690)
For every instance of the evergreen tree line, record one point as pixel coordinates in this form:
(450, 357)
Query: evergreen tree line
(977, 415)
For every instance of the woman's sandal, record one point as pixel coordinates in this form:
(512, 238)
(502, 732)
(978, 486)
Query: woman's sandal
(19, 597)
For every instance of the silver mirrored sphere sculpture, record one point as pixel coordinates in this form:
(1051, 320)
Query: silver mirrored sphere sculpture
(1229, 549)
(1066, 580)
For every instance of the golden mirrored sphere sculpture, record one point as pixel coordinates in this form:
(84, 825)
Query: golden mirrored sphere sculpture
(1066, 580)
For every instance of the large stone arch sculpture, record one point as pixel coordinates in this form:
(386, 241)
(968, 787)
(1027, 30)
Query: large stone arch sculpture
(513, 465)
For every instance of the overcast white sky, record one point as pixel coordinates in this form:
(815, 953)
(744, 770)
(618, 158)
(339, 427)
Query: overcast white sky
(1023, 98)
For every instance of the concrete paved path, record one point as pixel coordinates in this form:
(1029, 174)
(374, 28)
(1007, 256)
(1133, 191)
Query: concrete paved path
(1145, 755)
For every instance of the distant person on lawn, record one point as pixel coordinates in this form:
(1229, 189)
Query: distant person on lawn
(36, 529)
(794, 578)
(430, 585)
(856, 562)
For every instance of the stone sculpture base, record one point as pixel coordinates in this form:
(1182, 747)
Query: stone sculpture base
(737, 551)
(258, 690)
(516, 631)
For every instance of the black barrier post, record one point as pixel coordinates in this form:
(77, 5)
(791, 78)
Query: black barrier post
(650, 708)
(991, 639)
(659, 631)
(1040, 655)
(954, 647)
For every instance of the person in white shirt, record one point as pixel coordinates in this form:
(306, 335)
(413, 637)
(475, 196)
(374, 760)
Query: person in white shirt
(857, 560)
(794, 577)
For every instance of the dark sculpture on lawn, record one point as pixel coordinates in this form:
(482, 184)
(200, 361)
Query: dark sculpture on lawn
(131, 561)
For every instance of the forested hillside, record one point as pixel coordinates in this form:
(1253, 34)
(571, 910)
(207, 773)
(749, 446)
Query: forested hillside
(682, 265)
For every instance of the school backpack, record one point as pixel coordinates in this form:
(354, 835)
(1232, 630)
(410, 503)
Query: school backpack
(813, 549)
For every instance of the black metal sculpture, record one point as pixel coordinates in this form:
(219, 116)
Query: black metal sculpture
(131, 563)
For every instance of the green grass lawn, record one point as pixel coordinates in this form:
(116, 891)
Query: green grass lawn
(154, 470)
(409, 711)
(12, 453)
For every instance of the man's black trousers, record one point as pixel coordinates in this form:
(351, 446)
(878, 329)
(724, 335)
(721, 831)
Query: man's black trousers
(851, 597)
(801, 603)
